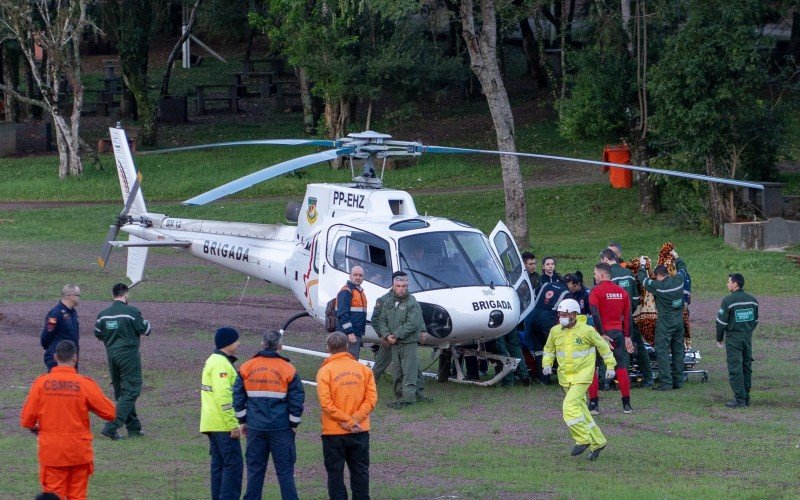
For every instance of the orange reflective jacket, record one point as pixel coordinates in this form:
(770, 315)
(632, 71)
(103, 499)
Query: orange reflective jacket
(347, 394)
(59, 404)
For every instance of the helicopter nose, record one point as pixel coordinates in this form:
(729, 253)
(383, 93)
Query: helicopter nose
(437, 320)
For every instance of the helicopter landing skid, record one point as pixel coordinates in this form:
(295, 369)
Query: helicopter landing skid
(509, 365)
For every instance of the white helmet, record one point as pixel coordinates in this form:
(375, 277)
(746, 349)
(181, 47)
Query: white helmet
(569, 306)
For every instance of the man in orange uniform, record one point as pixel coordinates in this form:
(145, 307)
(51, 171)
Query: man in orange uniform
(57, 410)
(347, 395)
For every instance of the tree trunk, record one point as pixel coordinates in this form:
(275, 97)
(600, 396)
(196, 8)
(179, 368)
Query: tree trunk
(309, 120)
(625, 8)
(174, 54)
(530, 46)
(337, 116)
(716, 204)
(481, 44)
(794, 38)
(10, 77)
(649, 191)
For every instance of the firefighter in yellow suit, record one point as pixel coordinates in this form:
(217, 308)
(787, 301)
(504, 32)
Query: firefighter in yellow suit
(576, 344)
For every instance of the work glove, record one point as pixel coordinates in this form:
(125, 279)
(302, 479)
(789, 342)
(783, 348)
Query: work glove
(673, 253)
(642, 261)
(610, 374)
(547, 370)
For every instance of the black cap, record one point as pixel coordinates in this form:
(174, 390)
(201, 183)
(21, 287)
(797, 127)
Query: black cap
(737, 278)
(225, 336)
(398, 274)
(576, 277)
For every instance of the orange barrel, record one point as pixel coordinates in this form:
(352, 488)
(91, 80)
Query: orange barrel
(621, 178)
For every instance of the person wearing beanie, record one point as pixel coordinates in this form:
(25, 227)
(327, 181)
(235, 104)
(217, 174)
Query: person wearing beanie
(217, 418)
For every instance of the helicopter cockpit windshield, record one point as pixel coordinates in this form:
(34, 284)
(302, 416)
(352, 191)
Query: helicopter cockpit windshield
(448, 260)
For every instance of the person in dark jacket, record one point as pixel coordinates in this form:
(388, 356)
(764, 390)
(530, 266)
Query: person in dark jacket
(623, 277)
(120, 327)
(736, 320)
(578, 292)
(549, 274)
(268, 398)
(545, 317)
(61, 323)
(351, 311)
(670, 348)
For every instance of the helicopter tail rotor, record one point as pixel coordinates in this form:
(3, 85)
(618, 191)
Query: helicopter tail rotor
(122, 219)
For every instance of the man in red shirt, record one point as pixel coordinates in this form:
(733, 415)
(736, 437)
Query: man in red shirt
(610, 306)
(57, 410)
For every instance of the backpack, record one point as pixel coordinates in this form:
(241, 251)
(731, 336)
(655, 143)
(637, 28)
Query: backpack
(330, 316)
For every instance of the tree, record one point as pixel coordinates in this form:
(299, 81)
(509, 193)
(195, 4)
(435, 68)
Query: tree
(348, 49)
(57, 28)
(480, 36)
(607, 96)
(134, 24)
(709, 89)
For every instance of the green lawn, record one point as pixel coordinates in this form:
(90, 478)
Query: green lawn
(470, 443)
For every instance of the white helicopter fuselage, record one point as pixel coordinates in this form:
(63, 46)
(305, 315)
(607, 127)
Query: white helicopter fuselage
(310, 267)
(470, 287)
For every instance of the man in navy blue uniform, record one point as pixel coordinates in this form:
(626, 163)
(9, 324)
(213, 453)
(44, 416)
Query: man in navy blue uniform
(61, 323)
(545, 317)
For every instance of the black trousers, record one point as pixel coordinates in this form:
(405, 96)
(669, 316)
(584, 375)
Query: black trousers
(352, 449)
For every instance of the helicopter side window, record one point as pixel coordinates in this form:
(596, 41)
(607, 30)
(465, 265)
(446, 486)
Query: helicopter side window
(508, 256)
(372, 255)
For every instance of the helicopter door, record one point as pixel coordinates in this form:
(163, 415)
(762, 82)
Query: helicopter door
(508, 253)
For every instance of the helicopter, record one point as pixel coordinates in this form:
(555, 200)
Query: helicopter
(471, 287)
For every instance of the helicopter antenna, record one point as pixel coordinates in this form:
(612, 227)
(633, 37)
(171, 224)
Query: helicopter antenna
(243, 290)
(383, 168)
(352, 168)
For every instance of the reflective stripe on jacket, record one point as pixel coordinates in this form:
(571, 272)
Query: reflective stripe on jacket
(668, 293)
(119, 326)
(347, 394)
(737, 314)
(216, 394)
(351, 309)
(59, 403)
(576, 348)
(268, 394)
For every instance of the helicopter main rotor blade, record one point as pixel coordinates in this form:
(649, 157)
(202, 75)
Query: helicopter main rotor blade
(264, 142)
(267, 173)
(113, 230)
(673, 173)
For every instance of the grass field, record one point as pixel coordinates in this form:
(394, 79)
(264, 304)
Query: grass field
(469, 443)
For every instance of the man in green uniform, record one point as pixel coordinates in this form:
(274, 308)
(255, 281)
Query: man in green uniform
(736, 320)
(668, 293)
(623, 278)
(383, 355)
(399, 324)
(119, 327)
